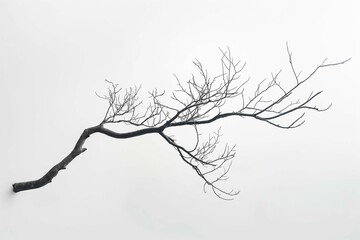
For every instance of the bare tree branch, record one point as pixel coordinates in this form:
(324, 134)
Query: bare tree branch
(202, 100)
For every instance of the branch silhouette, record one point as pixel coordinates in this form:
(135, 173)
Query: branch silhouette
(198, 101)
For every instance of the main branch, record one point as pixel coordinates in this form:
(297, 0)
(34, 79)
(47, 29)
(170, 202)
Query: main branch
(78, 149)
(199, 101)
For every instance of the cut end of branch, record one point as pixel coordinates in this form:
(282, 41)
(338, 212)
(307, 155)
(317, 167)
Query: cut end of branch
(15, 189)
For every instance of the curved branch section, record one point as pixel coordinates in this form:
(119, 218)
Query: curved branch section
(78, 149)
(47, 178)
(212, 169)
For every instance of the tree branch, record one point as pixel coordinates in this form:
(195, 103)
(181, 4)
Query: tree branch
(47, 178)
(202, 100)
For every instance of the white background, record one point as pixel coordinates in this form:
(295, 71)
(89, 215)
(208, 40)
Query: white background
(295, 184)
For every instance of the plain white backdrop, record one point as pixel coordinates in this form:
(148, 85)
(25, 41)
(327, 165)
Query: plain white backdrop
(295, 184)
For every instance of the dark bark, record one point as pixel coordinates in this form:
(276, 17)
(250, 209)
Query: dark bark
(47, 178)
(78, 149)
